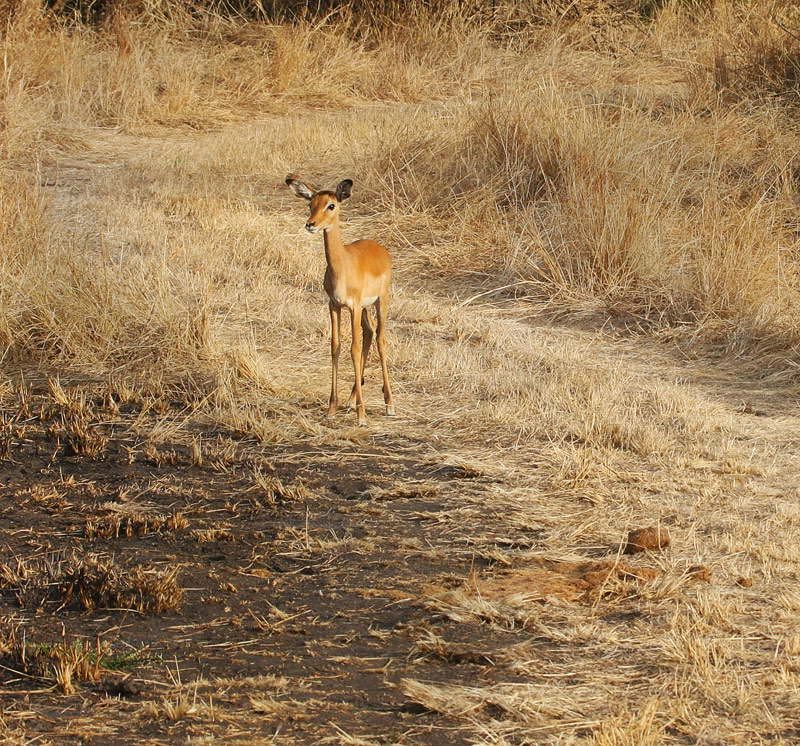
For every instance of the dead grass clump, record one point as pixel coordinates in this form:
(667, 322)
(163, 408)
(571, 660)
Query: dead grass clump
(507, 599)
(609, 207)
(115, 524)
(185, 704)
(69, 76)
(108, 587)
(644, 539)
(552, 579)
(76, 421)
(91, 582)
(67, 662)
(288, 710)
(270, 489)
(600, 209)
(220, 532)
(172, 64)
(405, 491)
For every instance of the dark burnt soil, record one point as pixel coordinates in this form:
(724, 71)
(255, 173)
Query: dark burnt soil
(301, 577)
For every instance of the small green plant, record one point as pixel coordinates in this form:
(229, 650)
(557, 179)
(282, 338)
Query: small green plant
(128, 660)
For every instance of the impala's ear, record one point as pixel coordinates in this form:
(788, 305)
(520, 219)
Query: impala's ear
(298, 187)
(343, 189)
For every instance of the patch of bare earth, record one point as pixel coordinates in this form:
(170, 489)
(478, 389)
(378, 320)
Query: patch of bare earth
(239, 591)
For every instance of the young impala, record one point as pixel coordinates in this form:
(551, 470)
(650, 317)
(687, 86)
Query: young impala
(357, 276)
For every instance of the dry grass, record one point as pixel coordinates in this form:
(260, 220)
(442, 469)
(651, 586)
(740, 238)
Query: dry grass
(91, 581)
(67, 662)
(598, 183)
(566, 202)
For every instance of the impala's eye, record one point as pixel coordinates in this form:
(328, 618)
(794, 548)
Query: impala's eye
(331, 205)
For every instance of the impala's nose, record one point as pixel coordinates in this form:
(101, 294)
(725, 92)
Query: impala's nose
(311, 226)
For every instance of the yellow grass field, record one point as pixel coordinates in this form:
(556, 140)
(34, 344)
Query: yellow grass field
(593, 327)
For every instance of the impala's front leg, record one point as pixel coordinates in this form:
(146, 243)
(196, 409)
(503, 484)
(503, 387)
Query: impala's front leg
(336, 327)
(355, 353)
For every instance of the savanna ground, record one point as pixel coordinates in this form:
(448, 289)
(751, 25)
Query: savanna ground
(592, 214)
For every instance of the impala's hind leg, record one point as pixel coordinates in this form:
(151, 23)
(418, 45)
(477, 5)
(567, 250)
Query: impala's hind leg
(381, 342)
(367, 335)
(356, 354)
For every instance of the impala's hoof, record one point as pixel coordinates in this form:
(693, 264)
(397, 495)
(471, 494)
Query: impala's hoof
(390, 410)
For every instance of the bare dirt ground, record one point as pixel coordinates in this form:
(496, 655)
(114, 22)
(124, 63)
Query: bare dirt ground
(410, 584)
(302, 592)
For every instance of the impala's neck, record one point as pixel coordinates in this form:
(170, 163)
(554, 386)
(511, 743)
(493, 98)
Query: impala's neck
(334, 248)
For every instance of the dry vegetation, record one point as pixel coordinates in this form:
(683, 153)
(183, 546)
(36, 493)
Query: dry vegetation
(592, 209)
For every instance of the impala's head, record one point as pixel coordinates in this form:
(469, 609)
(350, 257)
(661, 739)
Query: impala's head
(324, 205)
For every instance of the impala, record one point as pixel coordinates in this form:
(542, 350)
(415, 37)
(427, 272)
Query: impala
(357, 276)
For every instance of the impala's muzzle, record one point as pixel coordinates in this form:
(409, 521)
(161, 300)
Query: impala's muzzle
(311, 227)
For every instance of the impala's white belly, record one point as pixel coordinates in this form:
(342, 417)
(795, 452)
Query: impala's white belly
(342, 302)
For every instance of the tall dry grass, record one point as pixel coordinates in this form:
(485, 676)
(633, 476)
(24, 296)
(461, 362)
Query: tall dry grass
(66, 303)
(597, 159)
(663, 215)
